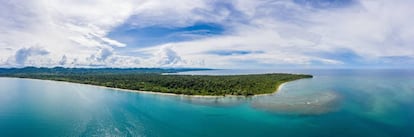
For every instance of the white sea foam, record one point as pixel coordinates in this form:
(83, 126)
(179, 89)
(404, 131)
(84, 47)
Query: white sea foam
(318, 103)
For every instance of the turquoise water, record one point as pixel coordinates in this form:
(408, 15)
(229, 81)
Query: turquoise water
(375, 103)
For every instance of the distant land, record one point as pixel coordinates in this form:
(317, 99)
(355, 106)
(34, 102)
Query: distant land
(154, 80)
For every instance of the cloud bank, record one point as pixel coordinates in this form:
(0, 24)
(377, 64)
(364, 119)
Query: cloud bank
(207, 33)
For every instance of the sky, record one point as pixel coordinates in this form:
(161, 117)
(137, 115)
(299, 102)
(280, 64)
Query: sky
(207, 33)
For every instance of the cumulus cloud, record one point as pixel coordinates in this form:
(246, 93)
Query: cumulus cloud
(63, 60)
(74, 28)
(297, 32)
(23, 54)
(167, 57)
(103, 54)
(285, 32)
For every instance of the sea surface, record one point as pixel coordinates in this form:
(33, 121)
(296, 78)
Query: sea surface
(335, 103)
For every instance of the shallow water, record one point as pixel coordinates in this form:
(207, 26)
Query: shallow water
(333, 103)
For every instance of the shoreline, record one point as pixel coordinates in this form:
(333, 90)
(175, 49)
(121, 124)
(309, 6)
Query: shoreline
(277, 90)
(158, 93)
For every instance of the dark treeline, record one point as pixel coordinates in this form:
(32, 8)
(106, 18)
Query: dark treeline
(61, 70)
(153, 80)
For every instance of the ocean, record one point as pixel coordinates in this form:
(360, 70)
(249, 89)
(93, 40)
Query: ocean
(335, 103)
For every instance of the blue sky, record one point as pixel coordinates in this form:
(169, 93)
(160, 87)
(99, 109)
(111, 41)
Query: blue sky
(208, 33)
(138, 37)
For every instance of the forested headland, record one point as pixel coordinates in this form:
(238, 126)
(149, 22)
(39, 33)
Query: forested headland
(152, 79)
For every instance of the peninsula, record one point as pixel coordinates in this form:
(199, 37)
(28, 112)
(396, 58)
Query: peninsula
(154, 80)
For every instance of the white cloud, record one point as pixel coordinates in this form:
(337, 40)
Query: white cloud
(74, 32)
(24, 53)
(75, 29)
(166, 56)
(101, 55)
(63, 60)
(371, 29)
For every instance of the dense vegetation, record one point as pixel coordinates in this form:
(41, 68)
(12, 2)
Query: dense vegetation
(153, 80)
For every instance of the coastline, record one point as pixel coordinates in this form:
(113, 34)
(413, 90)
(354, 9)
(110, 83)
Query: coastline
(277, 91)
(157, 93)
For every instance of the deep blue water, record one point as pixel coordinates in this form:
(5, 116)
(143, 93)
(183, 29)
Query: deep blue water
(344, 103)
